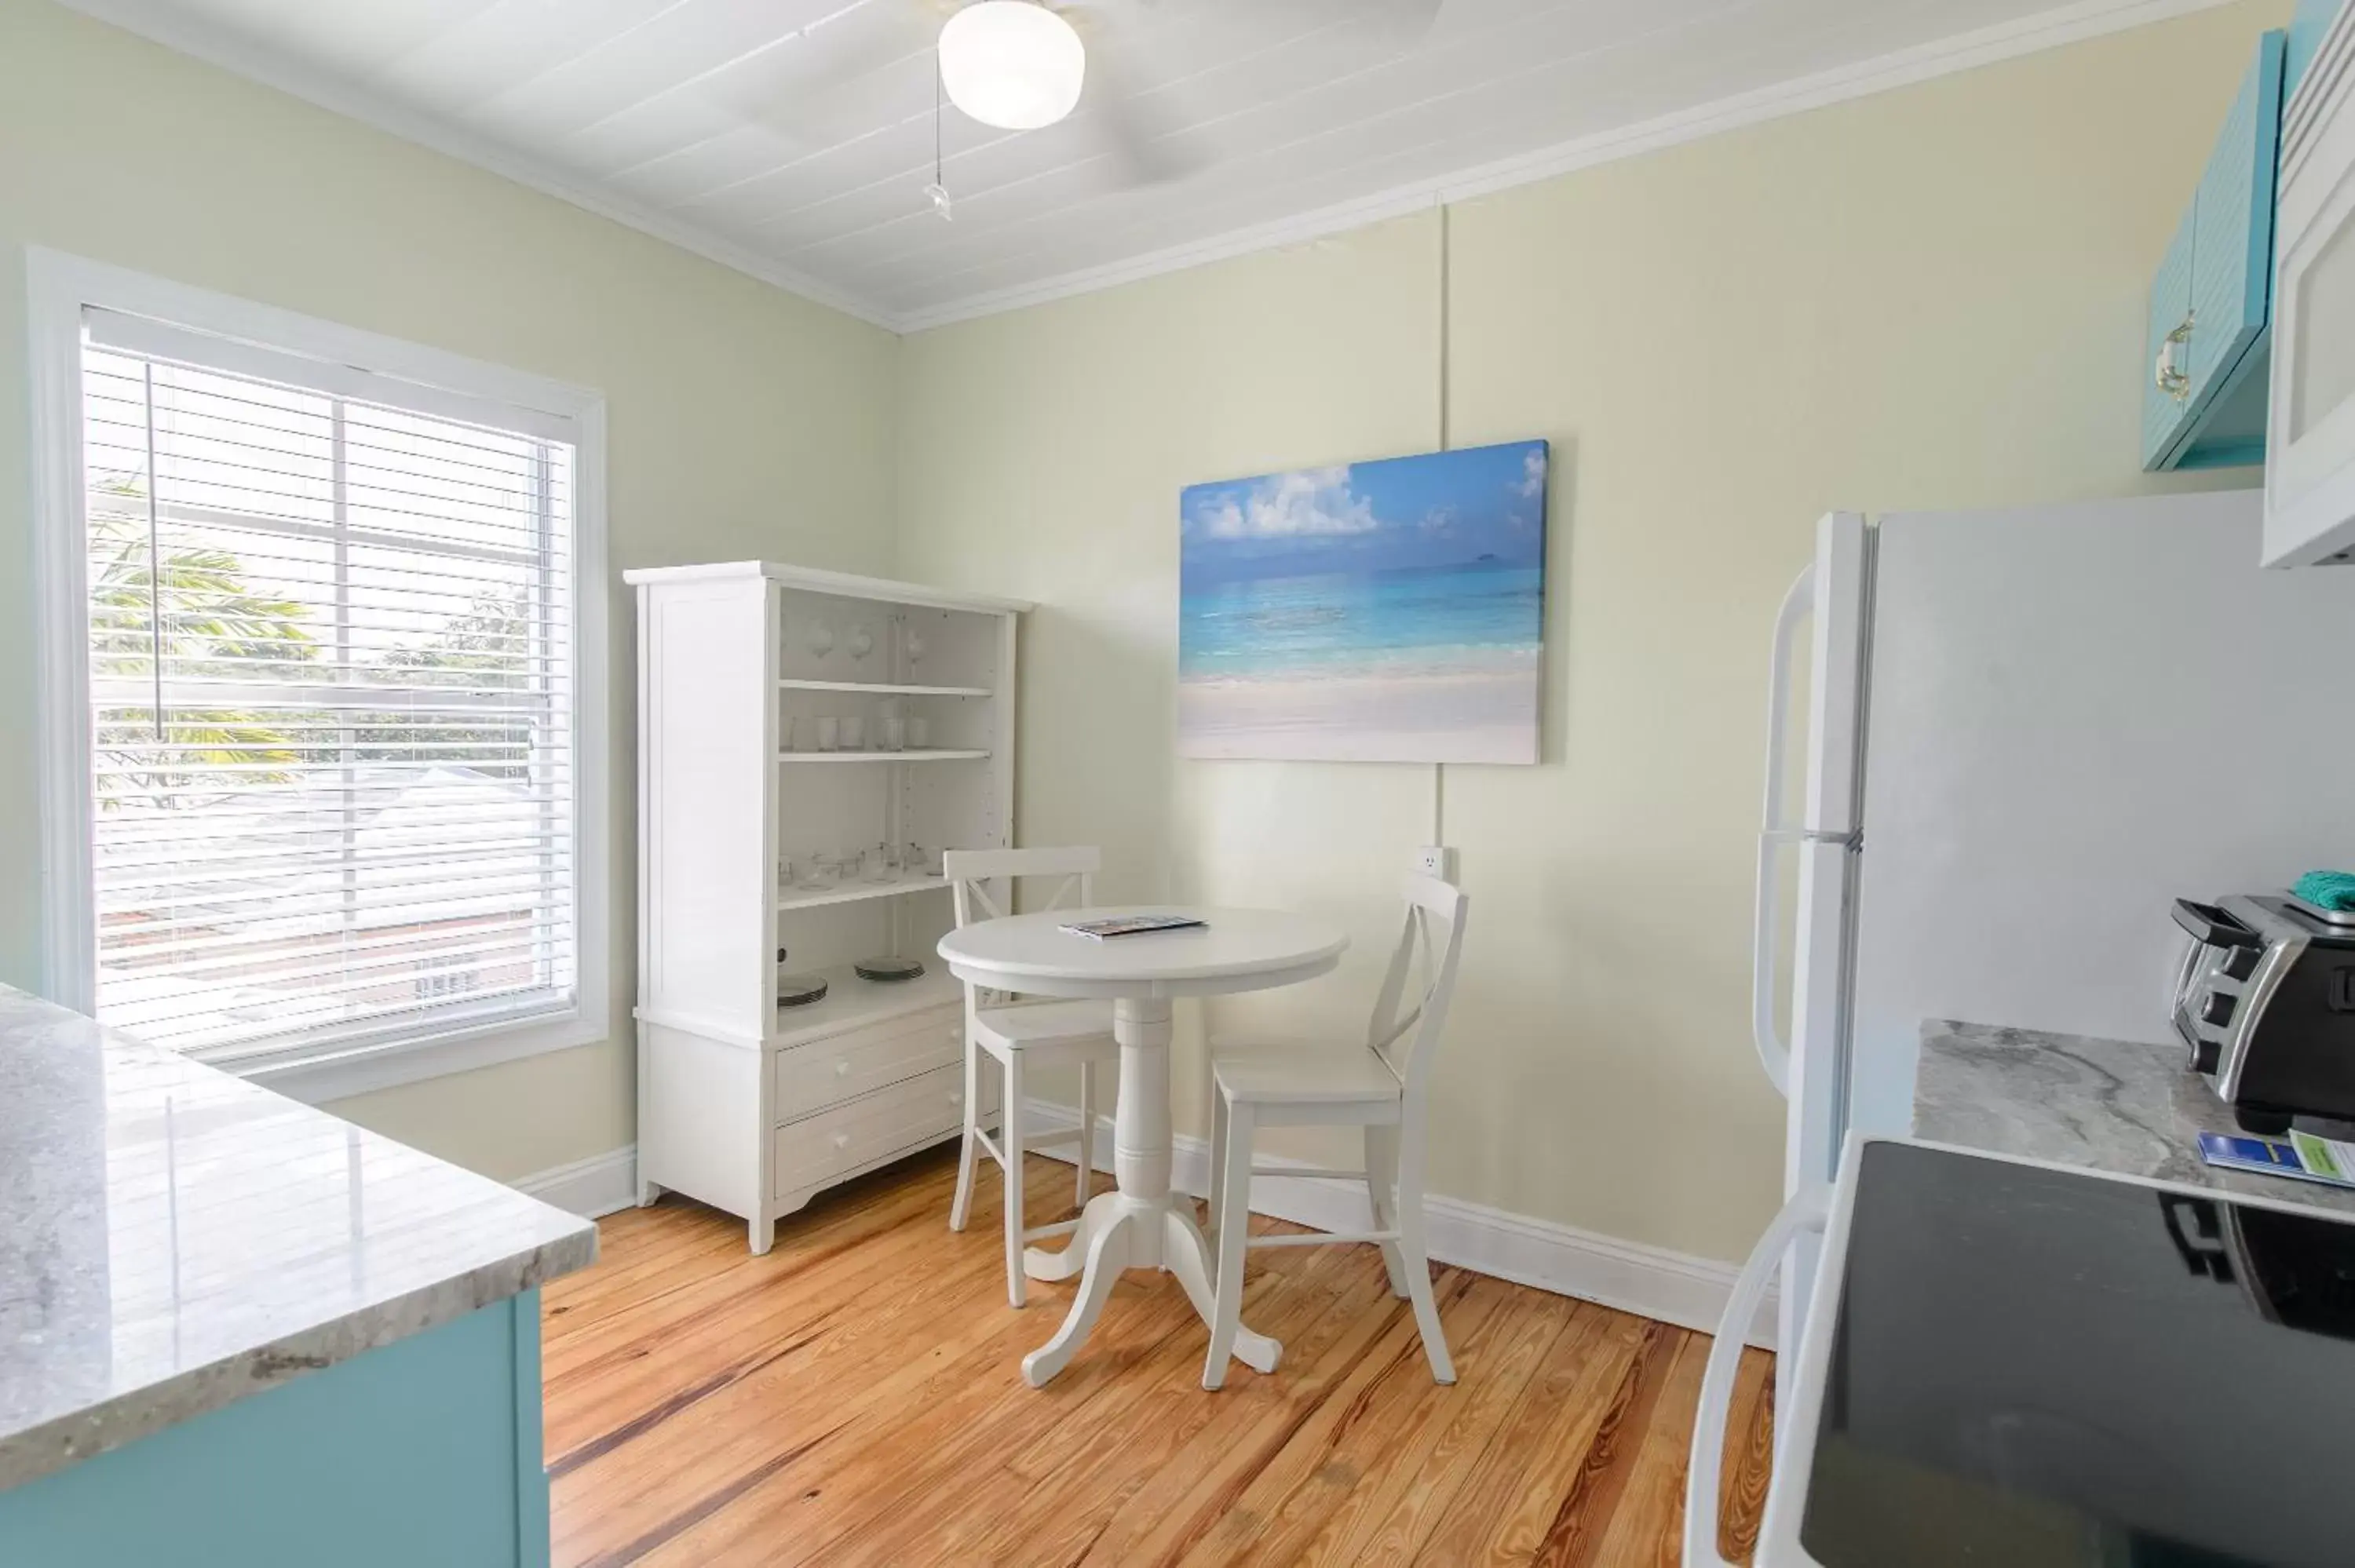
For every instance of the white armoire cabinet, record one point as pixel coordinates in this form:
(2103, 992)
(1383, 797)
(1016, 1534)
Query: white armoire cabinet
(744, 1103)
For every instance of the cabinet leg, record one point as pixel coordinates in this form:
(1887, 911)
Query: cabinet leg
(647, 1192)
(764, 1234)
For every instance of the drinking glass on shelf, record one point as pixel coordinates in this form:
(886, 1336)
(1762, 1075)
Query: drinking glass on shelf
(890, 733)
(920, 861)
(794, 734)
(919, 732)
(894, 863)
(820, 870)
(854, 732)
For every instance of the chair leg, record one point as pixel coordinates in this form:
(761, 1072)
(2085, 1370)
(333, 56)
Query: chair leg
(1381, 1192)
(1217, 1172)
(1418, 1261)
(971, 1151)
(1087, 1130)
(1234, 1228)
(1009, 1120)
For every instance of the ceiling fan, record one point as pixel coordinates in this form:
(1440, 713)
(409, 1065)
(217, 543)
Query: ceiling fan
(1025, 65)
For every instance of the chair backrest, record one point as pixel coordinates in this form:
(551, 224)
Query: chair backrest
(968, 871)
(1406, 1025)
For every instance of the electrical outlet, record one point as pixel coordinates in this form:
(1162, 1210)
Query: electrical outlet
(1437, 860)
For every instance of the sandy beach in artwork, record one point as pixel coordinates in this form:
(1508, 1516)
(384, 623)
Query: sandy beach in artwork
(1477, 709)
(1389, 611)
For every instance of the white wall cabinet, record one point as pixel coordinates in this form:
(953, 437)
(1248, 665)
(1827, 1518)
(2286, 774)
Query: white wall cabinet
(2310, 422)
(742, 1104)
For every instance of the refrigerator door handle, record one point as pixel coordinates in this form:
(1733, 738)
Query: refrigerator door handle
(1809, 1210)
(1765, 1030)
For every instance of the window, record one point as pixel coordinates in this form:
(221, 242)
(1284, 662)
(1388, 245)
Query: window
(331, 702)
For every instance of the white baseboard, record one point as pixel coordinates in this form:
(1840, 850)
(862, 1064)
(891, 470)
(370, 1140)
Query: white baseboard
(592, 1188)
(1649, 1281)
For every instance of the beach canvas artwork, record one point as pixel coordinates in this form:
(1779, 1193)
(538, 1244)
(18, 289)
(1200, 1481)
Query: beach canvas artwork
(1389, 611)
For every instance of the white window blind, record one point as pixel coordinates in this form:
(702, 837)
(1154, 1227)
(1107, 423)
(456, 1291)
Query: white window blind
(331, 700)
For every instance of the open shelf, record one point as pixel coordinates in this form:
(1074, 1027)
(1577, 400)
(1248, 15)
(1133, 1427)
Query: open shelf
(878, 689)
(851, 1002)
(852, 892)
(932, 756)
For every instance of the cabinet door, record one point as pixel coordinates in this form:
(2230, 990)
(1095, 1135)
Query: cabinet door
(2233, 221)
(2167, 385)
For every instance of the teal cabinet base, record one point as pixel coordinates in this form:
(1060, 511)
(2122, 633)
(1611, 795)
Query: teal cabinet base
(427, 1451)
(2231, 433)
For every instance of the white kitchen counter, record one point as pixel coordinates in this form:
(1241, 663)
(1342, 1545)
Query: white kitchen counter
(174, 1239)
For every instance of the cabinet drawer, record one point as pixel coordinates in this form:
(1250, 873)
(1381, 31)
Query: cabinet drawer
(822, 1072)
(831, 1144)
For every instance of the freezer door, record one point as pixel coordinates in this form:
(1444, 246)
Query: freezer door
(2077, 716)
(1835, 673)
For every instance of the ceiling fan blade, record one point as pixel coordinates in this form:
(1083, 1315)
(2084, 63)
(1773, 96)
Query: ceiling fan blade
(1139, 124)
(1406, 23)
(812, 87)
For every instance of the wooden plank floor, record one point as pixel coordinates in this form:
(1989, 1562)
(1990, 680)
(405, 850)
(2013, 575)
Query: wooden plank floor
(855, 1398)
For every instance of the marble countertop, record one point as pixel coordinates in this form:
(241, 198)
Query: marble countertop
(174, 1238)
(2110, 1104)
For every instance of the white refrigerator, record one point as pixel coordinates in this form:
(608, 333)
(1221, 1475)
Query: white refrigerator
(2027, 733)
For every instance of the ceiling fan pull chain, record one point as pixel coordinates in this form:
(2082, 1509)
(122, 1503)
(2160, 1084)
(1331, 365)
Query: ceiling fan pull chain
(938, 191)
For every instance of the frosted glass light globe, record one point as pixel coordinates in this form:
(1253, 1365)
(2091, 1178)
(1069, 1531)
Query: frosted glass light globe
(1012, 64)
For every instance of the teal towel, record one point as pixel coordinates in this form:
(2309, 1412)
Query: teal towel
(2327, 889)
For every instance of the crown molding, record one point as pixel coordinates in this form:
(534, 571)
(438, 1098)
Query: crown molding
(2054, 28)
(371, 108)
(1942, 57)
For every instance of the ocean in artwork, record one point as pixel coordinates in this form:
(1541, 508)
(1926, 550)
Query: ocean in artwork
(1384, 611)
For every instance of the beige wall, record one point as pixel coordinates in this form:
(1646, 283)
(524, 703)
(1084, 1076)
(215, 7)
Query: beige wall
(744, 421)
(1929, 298)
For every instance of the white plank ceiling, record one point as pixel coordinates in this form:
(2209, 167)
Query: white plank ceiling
(794, 137)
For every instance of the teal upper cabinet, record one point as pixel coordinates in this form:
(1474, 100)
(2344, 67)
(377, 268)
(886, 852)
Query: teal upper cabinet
(2169, 383)
(2205, 403)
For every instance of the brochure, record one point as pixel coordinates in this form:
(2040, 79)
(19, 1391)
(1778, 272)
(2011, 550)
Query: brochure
(1131, 926)
(2302, 1158)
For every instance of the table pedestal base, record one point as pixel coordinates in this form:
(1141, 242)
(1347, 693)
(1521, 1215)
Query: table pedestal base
(1141, 1225)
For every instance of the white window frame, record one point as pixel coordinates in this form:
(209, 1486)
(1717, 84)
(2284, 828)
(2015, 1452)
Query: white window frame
(59, 288)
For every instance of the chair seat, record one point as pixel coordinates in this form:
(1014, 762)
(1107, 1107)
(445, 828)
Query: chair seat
(1076, 1025)
(1268, 1075)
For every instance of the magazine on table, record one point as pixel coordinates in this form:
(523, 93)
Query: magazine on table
(2302, 1156)
(1131, 926)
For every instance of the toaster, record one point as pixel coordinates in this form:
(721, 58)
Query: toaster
(2264, 998)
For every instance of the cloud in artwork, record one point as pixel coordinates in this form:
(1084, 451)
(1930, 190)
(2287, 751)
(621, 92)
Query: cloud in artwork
(1533, 466)
(1308, 501)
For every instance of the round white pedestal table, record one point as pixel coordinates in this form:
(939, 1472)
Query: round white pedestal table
(1138, 1224)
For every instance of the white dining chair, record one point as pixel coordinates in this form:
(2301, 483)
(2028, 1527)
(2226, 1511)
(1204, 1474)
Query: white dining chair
(1019, 1035)
(1380, 1087)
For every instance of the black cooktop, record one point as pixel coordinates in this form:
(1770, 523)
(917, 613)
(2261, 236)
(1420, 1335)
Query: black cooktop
(2037, 1368)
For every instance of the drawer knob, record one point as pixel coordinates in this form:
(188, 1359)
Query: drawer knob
(842, 1140)
(842, 1069)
